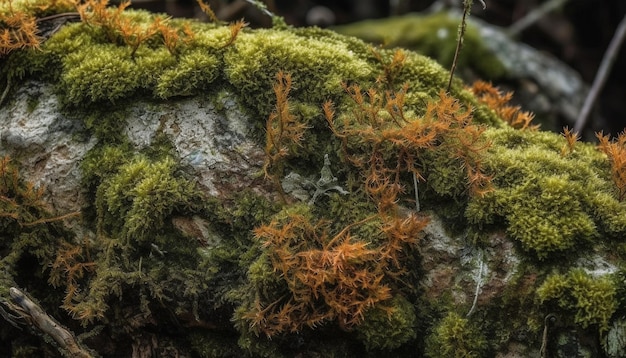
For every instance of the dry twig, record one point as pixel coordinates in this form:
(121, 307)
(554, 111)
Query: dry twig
(25, 308)
(603, 72)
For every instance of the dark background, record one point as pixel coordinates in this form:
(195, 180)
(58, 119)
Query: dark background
(578, 32)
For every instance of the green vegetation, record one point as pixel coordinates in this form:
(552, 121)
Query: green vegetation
(455, 336)
(265, 272)
(592, 300)
(547, 200)
(430, 35)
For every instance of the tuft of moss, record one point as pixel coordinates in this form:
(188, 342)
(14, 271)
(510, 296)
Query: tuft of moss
(317, 64)
(455, 336)
(549, 202)
(136, 199)
(592, 300)
(389, 328)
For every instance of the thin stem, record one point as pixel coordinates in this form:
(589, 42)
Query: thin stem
(533, 16)
(479, 281)
(603, 72)
(467, 4)
(6, 90)
(417, 200)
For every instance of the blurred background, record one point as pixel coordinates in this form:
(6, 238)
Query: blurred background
(577, 32)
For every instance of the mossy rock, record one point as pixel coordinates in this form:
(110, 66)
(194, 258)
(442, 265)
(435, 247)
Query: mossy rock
(168, 149)
(432, 35)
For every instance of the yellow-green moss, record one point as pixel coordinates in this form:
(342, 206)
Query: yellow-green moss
(551, 202)
(88, 68)
(592, 300)
(455, 336)
(387, 330)
(36, 8)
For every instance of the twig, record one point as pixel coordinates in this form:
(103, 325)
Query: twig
(417, 199)
(262, 7)
(6, 90)
(548, 321)
(603, 72)
(533, 16)
(31, 312)
(479, 282)
(467, 5)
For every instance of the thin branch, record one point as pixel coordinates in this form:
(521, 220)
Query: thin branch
(31, 312)
(417, 199)
(479, 282)
(603, 72)
(467, 5)
(6, 90)
(459, 42)
(534, 16)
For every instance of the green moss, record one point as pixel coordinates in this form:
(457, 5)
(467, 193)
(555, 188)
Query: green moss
(36, 8)
(551, 203)
(592, 300)
(140, 195)
(386, 330)
(455, 336)
(215, 345)
(195, 72)
(431, 35)
(317, 64)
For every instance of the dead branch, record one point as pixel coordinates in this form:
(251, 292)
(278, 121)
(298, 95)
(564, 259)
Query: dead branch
(603, 73)
(30, 312)
(534, 16)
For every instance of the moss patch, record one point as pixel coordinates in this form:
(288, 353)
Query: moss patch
(431, 35)
(547, 200)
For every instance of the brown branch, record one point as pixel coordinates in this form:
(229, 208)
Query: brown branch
(31, 312)
(603, 72)
(533, 16)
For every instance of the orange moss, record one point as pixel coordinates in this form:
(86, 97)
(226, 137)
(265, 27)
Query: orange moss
(396, 142)
(283, 131)
(498, 101)
(18, 30)
(206, 8)
(69, 267)
(235, 28)
(334, 278)
(616, 151)
(571, 138)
